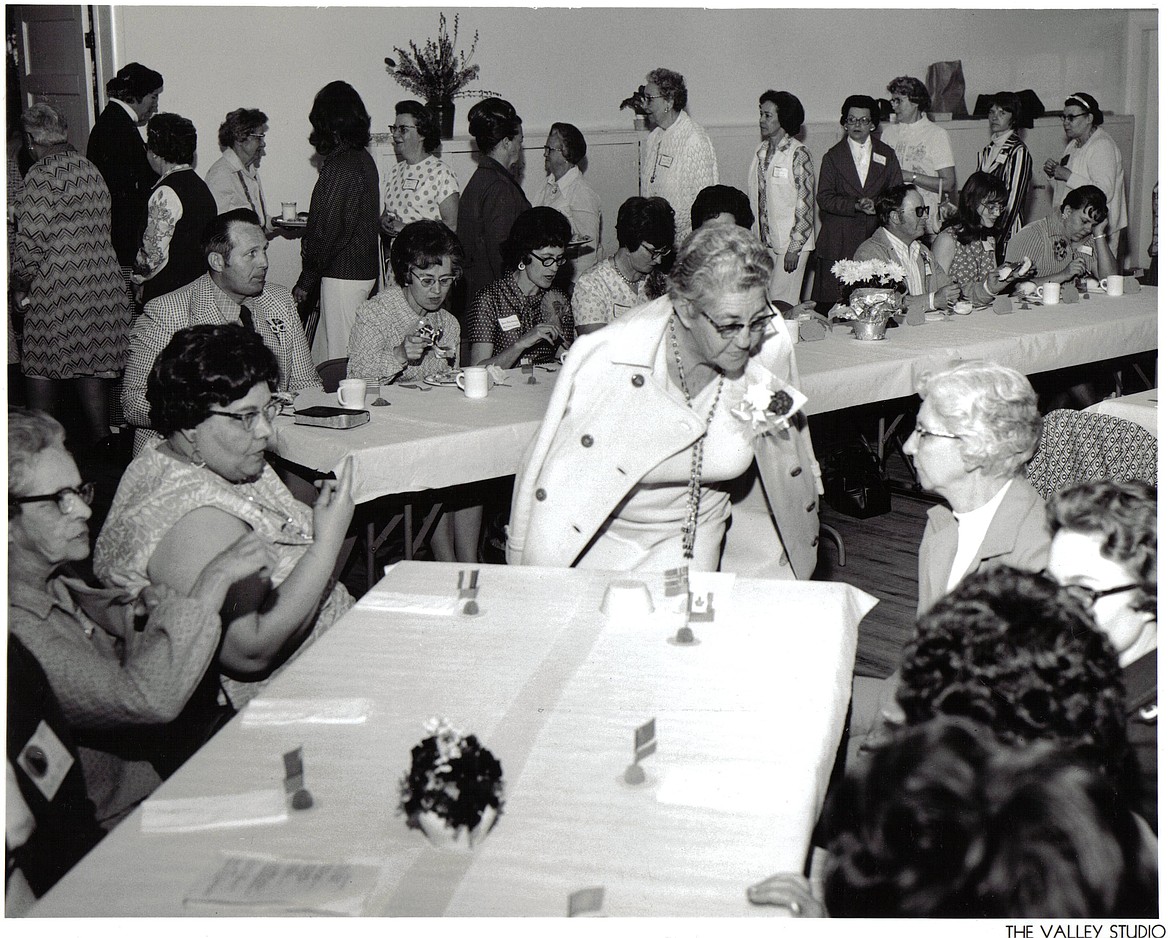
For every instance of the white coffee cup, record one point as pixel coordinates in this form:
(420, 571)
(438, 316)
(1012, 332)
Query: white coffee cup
(1114, 285)
(351, 392)
(1050, 294)
(473, 381)
(288, 211)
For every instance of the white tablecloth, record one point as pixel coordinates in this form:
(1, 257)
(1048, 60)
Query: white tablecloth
(1140, 408)
(748, 721)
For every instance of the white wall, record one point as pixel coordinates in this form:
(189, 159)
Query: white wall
(577, 65)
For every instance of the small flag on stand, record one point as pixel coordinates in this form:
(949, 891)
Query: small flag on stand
(677, 581)
(700, 609)
(294, 771)
(645, 741)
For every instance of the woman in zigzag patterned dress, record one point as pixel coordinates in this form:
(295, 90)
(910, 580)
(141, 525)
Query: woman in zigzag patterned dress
(77, 317)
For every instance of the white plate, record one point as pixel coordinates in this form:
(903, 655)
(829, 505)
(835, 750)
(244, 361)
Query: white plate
(440, 381)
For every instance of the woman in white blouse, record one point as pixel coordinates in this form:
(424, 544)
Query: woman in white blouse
(421, 187)
(681, 159)
(234, 179)
(1091, 157)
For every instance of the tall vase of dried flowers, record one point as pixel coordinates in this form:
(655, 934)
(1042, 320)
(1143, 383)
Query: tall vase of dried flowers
(438, 74)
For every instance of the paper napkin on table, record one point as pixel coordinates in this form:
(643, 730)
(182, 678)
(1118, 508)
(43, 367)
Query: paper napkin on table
(410, 602)
(212, 812)
(279, 712)
(259, 883)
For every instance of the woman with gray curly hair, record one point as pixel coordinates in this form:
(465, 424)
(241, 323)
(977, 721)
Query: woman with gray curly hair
(646, 408)
(234, 179)
(977, 426)
(681, 160)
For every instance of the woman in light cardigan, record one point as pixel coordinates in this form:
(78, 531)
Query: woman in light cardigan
(645, 411)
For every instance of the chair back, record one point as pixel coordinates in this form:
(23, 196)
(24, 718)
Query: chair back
(331, 373)
(1076, 446)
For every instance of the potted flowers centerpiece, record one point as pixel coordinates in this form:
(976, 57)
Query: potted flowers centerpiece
(453, 791)
(437, 73)
(874, 293)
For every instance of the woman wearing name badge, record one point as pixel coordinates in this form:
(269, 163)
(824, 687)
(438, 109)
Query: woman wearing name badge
(1068, 243)
(644, 459)
(521, 318)
(234, 179)
(965, 248)
(420, 186)
(633, 274)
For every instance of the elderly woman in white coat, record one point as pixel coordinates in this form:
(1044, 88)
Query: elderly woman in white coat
(647, 411)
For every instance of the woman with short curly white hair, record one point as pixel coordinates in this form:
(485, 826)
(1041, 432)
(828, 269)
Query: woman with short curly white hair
(977, 426)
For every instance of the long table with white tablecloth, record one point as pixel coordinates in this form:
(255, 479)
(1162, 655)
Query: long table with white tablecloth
(436, 438)
(748, 720)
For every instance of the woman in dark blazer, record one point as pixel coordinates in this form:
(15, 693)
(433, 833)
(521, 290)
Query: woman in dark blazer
(492, 199)
(117, 150)
(846, 203)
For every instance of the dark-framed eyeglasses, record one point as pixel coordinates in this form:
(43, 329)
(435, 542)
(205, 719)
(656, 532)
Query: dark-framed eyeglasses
(729, 331)
(559, 261)
(1087, 596)
(656, 254)
(858, 121)
(651, 97)
(67, 499)
(429, 282)
(994, 208)
(1072, 117)
(548, 150)
(921, 210)
(249, 418)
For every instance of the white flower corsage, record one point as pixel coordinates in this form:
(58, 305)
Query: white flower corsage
(278, 326)
(768, 406)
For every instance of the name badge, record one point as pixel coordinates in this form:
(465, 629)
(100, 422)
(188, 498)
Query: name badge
(1000, 160)
(619, 309)
(989, 244)
(410, 184)
(509, 323)
(665, 159)
(879, 159)
(780, 172)
(1086, 250)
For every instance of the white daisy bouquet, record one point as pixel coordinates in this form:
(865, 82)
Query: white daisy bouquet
(873, 289)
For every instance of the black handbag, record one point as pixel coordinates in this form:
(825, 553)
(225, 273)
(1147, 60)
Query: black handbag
(854, 484)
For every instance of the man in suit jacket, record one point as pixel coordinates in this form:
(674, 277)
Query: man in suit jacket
(853, 173)
(903, 216)
(233, 290)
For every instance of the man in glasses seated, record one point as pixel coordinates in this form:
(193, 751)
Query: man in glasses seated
(133, 690)
(234, 289)
(902, 216)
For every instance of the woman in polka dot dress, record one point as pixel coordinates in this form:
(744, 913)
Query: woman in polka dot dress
(421, 187)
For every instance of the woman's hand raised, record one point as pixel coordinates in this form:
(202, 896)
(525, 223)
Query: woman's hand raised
(334, 507)
(548, 332)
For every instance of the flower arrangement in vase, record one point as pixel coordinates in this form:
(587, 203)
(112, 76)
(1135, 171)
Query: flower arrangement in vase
(453, 791)
(438, 74)
(874, 293)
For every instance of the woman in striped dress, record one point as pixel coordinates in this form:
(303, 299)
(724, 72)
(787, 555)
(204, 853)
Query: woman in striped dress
(66, 276)
(1008, 160)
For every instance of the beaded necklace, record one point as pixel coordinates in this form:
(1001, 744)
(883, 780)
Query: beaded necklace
(695, 483)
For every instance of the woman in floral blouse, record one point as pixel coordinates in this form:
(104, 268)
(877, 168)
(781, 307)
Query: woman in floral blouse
(421, 186)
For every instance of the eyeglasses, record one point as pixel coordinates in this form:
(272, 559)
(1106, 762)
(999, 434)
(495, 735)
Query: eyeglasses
(1072, 117)
(66, 499)
(651, 97)
(428, 282)
(401, 128)
(656, 254)
(994, 208)
(923, 432)
(248, 419)
(1087, 596)
(559, 261)
(548, 150)
(858, 121)
(921, 211)
(258, 136)
(732, 330)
